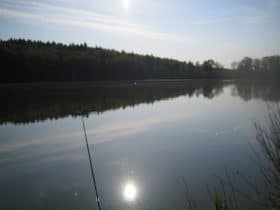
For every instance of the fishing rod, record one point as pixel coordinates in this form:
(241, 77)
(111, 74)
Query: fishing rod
(91, 167)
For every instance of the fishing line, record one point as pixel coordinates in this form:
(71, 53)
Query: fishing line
(91, 167)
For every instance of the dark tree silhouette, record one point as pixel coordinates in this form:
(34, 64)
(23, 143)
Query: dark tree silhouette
(37, 61)
(264, 68)
(33, 61)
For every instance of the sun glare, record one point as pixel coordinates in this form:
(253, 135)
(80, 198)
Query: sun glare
(130, 192)
(126, 4)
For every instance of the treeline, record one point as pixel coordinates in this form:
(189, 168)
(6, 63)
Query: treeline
(36, 61)
(29, 61)
(264, 68)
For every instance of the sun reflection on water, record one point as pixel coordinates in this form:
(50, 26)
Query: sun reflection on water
(130, 192)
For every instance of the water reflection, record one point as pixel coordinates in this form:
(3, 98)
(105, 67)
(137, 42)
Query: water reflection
(32, 103)
(130, 192)
(44, 165)
(261, 90)
(39, 102)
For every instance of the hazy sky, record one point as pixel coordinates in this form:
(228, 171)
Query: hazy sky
(183, 29)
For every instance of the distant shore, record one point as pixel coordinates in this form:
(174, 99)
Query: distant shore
(26, 61)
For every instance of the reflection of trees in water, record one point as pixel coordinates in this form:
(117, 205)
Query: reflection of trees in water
(30, 103)
(266, 91)
(34, 102)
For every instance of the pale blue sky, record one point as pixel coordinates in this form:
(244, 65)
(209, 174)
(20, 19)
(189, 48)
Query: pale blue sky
(183, 29)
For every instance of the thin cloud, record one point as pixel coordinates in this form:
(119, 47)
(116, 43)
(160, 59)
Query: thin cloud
(211, 21)
(36, 12)
(105, 133)
(242, 14)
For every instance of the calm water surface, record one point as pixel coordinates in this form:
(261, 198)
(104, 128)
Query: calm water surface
(145, 139)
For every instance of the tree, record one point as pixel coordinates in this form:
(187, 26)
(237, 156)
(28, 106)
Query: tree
(245, 64)
(256, 65)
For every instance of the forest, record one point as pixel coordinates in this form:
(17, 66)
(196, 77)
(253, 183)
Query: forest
(36, 61)
(29, 61)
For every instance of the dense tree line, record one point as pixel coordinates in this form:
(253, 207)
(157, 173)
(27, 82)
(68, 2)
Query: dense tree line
(266, 67)
(29, 61)
(36, 61)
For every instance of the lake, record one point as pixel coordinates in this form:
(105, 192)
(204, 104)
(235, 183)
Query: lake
(152, 143)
